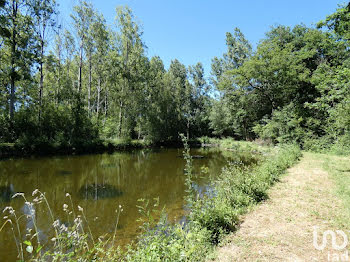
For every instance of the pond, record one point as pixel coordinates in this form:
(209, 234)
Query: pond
(100, 183)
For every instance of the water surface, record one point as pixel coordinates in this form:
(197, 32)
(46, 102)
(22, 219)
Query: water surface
(100, 183)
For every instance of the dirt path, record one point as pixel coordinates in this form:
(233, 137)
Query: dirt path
(281, 229)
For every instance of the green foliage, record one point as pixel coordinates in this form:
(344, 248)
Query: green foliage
(59, 128)
(338, 21)
(285, 126)
(99, 81)
(161, 241)
(293, 88)
(172, 243)
(95, 82)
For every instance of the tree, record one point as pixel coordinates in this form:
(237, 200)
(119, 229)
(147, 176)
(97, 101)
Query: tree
(201, 101)
(43, 12)
(239, 50)
(129, 54)
(17, 35)
(339, 21)
(102, 39)
(83, 18)
(233, 95)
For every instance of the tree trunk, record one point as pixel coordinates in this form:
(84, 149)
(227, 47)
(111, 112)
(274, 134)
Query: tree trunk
(13, 60)
(59, 75)
(106, 102)
(98, 97)
(80, 67)
(90, 83)
(139, 133)
(124, 87)
(120, 118)
(41, 83)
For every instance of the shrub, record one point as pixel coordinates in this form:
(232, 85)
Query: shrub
(285, 126)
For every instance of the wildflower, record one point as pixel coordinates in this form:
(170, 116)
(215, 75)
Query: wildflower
(67, 194)
(18, 194)
(65, 207)
(56, 223)
(10, 210)
(37, 200)
(29, 249)
(53, 239)
(63, 228)
(80, 209)
(35, 192)
(77, 221)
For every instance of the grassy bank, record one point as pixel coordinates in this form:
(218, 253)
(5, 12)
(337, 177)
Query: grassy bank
(210, 217)
(231, 144)
(338, 168)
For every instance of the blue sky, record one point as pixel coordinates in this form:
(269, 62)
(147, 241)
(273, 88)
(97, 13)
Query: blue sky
(194, 30)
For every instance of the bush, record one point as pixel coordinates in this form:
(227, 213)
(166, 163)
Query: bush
(318, 145)
(6, 134)
(285, 126)
(172, 243)
(341, 146)
(327, 144)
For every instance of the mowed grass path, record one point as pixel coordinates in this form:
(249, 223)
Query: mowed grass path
(315, 192)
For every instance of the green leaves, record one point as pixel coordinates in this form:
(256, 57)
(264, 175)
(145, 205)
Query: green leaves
(338, 21)
(289, 67)
(30, 247)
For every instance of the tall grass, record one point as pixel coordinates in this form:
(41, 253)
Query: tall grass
(69, 243)
(210, 216)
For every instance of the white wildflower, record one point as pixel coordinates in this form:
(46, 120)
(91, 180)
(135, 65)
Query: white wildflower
(18, 194)
(56, 223)
(37, 200)
(63, 228)
(9, 209)
(29, 249)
